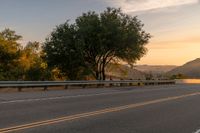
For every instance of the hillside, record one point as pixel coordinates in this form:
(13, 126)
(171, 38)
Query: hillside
(155, 69)
(117, 71)
(190, 69)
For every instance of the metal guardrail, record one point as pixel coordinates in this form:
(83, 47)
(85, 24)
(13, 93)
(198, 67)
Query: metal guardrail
(46, 84)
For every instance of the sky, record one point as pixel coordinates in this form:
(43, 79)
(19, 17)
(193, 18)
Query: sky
(173, 24)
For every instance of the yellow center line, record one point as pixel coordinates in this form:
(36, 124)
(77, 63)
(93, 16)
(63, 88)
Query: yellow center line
(93, 113)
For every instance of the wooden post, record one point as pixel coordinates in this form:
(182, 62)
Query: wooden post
(121, 84)
(45, 88)
(131, 84)
(19, 89)
(111, 83)
(66, 87)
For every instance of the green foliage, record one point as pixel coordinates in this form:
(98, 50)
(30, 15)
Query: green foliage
(18, 63)
(9, 54)
(95, 40)
(62, 51)
(32, 65)
(178, 76)
(149, 76)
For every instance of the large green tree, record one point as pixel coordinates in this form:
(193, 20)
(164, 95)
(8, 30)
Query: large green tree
(95, 40)
(63, 53)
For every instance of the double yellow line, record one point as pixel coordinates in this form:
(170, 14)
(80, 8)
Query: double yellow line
(93, 113)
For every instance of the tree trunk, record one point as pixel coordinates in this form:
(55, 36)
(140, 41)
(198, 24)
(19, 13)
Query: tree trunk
(103, 74)
(97, 75)
(100, 75)
(103, 70)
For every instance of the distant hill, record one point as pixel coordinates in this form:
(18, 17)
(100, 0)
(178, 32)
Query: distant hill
(155, 69)
(117, 71)
(190, 69)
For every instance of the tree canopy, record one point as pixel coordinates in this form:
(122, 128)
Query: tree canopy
(18, 62)
(95, 40)
(9, 53)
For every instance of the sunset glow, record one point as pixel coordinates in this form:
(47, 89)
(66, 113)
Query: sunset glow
(173, 24)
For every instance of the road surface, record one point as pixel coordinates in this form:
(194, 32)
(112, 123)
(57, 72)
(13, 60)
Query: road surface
(148, 109)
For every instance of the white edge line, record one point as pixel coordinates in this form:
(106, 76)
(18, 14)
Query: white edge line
(65, 97)
(197, 131)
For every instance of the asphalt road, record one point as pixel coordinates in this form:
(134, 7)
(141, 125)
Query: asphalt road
(150, 109)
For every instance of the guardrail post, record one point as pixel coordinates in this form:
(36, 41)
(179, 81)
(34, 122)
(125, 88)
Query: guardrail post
(111, 83)
(130, 84)
(83, 86)
(45, 88)
(19, 89)
(66, 87)
(121, 84)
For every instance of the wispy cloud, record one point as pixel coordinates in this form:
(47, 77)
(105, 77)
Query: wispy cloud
(142, 5)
